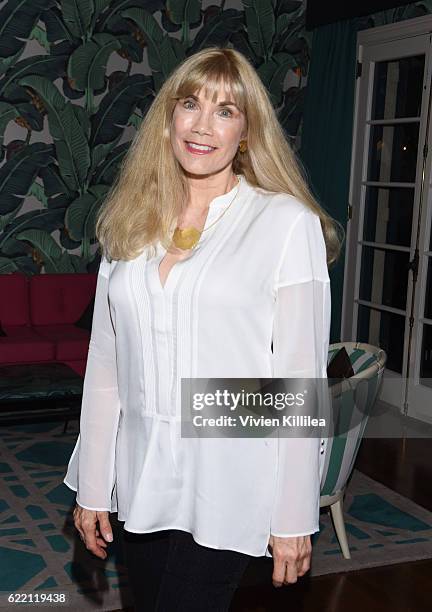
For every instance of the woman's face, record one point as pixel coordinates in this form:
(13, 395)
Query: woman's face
(199, 121)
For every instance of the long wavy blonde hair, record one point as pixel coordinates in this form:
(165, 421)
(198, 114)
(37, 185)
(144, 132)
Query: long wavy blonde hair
(150, 189)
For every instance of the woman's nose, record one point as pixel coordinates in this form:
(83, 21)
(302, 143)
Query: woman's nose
(203, 123)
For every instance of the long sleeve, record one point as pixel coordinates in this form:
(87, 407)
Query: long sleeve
(300, 346)
(91, 469)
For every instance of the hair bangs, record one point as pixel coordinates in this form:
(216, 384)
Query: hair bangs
(216, 79)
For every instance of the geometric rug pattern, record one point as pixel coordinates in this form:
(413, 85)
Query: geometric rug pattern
(41, 552)
(383, 528)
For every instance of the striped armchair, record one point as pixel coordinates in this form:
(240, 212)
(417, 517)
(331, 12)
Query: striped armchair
(352, 402)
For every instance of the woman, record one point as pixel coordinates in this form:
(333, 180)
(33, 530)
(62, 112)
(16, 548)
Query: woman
(214, 264)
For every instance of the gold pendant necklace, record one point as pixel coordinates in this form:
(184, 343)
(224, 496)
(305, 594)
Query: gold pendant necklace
(188, 237)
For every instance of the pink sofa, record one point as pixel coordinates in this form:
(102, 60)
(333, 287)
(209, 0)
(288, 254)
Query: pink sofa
(37, 314)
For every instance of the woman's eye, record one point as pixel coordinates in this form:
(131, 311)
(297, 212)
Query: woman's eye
(186, 104)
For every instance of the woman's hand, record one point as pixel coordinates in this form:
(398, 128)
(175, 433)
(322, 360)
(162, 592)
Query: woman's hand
(291, 558)
(94, 528)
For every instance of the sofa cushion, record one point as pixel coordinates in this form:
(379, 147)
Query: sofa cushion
(71, 343)
(23, 345)
(78, 366)
(340, 366)
(86, 319)
(15, 309)
(57, 299)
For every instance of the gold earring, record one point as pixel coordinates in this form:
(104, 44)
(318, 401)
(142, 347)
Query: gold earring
(242, 146)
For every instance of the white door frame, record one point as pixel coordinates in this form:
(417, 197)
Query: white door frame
(387, 42)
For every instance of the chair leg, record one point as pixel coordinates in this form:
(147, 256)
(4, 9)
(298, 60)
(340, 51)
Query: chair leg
(339, 524)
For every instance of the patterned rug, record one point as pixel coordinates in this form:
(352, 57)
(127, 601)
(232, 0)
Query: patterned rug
(40, 552)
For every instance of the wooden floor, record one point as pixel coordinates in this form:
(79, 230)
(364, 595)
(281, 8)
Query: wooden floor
(404, 465)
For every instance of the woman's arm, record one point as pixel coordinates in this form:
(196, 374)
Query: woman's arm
(300, 346)
(91, 467)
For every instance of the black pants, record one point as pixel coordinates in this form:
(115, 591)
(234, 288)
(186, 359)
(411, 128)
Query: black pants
(169, 571)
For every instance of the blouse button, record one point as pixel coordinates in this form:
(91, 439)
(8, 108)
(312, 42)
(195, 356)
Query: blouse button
(321, 451)
(322, 442)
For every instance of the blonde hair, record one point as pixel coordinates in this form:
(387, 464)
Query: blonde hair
(150, 188)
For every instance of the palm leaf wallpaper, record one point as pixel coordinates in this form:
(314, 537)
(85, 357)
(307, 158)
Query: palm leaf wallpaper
(76, 79)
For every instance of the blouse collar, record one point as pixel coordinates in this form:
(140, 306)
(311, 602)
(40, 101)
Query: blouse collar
(223, 200)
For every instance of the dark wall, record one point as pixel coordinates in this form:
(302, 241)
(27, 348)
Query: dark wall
(320, 13)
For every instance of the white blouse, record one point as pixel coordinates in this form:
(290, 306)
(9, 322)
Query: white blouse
(257, 275)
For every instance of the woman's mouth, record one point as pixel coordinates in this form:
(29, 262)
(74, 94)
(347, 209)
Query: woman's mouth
(197, 149)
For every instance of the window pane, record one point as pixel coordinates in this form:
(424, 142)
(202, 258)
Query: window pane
(393, 152)
(426, 356)
(384, 330)
(388, 215)
(428, 294)
(384, 277)
(398, 88)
